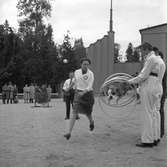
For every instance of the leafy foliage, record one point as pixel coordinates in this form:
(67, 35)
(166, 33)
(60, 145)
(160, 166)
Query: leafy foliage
(132, 54)
(116, 52)
(79, 51)
(30, 55)
(66, 52)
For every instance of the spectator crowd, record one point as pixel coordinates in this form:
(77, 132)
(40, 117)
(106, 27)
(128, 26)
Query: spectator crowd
(31, 93)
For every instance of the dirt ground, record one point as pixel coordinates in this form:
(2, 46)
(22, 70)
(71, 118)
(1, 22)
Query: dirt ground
(33, 137)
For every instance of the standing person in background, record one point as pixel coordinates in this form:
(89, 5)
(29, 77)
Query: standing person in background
(32, 93)
(4, 92)
(15, 92)
(163, 98)
(44, 94)
(49, 91)
(83, 98)
(26, 91)
(28, 94)
(68, 89)
(8, 93)
(37, 94)
(11, 90)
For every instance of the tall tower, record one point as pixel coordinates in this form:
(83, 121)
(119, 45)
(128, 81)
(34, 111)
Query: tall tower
(111, 22)
(101, 54)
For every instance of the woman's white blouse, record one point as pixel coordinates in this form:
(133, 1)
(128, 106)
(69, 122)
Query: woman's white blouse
(84, 81)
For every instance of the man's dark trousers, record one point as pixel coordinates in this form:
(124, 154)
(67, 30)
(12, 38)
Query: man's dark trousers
(69, 101)
(162, 105)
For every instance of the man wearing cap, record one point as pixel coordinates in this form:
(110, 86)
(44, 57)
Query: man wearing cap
(150, 81)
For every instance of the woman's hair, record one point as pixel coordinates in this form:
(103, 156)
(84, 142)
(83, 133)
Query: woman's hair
(85, 59)
(155, 49)
(161, 54)
(146, 46)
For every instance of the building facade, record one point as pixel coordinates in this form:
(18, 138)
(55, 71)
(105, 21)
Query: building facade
(156, 36)
(101, 54)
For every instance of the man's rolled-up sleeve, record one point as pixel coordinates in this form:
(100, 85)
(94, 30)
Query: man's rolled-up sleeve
(145, 72)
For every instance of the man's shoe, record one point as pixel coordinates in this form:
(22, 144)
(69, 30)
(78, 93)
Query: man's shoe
(156, 142)
(145, 145)
(67, 136)
(66, 118)
(91, 126)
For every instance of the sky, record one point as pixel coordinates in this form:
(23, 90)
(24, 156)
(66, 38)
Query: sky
(89, 19)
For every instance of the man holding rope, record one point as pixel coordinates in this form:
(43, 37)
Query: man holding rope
(150, 81)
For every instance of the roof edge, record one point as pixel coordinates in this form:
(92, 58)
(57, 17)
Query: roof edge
(148, 28)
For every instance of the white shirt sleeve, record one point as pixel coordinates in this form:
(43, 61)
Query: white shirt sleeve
(162, 72)
(74, 82)
(65, 86)
(145, 72)
(90, 82)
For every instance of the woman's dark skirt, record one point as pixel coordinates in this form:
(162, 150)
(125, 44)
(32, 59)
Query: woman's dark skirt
(83, 104)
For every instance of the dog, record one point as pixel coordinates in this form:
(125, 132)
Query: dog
(117, 90)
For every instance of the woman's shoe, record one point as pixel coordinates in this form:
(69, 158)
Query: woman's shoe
(67, 136)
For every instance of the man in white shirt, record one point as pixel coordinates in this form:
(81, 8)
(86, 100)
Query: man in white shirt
(150, 81)
(69, 89)
(83, 99)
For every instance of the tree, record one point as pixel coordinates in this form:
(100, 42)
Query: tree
(116, 52)
(129, 52)
(37, 37)
(66, 52)
(10, 62)
(7, 44)
(137, 56)
(79, 51)
(132, 54)
(31, 25)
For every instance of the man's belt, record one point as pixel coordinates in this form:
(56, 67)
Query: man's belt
(78, 90)
(154, 74)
